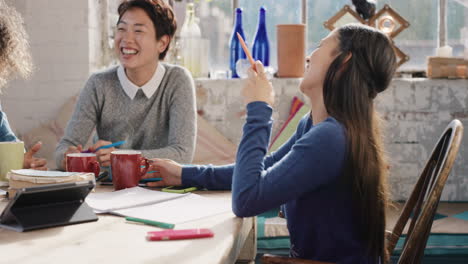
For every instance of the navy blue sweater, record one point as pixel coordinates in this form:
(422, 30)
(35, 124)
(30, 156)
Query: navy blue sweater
(304, 176)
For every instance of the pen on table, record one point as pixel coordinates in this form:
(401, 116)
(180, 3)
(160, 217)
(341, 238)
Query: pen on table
(150, 222)
(116, 144)
(150, 180)
(102, 176)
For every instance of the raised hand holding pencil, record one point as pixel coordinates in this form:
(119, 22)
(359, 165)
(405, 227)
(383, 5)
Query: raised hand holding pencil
(257, 87)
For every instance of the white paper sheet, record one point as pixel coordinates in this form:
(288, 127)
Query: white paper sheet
(39, 173)
(185, 209)
(2, 192)
(127, 198)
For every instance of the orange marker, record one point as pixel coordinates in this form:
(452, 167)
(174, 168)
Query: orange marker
(246, 50)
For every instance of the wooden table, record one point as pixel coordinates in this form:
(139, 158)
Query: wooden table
(112, 240)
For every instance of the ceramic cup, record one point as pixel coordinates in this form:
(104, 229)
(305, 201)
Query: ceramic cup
(126, 167)
(11, 158)
(291, 50)
(83, 162)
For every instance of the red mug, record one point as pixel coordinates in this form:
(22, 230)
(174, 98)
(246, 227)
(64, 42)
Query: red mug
(126, 167)
(83, 162)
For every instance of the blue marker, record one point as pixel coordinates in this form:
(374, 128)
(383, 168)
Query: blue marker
(150, 180)
(116, 144)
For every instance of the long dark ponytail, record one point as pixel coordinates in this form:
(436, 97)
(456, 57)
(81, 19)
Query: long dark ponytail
(364, 67)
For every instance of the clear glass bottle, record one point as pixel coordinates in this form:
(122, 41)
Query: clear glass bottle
(190, 36)
(236, 51)
(261, 45)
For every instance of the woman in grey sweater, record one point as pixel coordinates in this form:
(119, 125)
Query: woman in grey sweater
(148, 104)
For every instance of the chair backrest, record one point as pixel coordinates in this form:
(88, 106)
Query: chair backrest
(423, 201)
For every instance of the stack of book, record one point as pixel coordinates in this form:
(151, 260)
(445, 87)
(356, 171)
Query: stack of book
(28, 178)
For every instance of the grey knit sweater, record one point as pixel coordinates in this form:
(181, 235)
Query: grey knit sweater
(162, 126)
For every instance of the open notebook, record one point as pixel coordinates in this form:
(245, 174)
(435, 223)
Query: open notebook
(157, 206)
(108, 202)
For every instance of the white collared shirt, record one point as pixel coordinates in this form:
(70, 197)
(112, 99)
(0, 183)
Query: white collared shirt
(148, 88)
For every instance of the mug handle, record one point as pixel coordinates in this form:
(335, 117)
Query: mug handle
(146, 164)
(94, 166)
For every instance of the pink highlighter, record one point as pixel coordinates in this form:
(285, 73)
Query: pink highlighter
(178, 234)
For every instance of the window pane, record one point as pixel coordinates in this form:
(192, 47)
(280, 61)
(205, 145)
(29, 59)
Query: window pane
(418, 41)
(421, 39)
(317, 13)
(216, 26)
(277, 12)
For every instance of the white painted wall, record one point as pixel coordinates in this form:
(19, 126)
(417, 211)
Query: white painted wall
(60, 45)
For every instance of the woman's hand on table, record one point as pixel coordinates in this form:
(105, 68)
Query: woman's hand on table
(31, 162)
(169, 170)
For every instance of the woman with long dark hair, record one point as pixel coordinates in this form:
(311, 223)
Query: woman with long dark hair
(329, 177)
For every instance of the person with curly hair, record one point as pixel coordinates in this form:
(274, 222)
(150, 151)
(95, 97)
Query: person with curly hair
(15, 58)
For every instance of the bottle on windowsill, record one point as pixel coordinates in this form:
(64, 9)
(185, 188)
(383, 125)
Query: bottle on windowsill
(236, 51)
(261, 45)
(190, 39)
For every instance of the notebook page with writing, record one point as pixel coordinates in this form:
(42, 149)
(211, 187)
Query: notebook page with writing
(185, 209)
(127, 198)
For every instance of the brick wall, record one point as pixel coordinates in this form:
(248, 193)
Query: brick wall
(65, 43)
(416, 112)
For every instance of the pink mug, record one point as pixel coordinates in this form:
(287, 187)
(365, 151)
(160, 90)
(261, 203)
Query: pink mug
(82, 162)
(126, 167)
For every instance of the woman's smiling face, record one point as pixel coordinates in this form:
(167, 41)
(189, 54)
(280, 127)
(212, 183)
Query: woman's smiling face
(318, 62)
(135, 40)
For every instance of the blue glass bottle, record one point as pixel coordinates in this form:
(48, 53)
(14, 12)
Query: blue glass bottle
(261, 45)
(236, 51)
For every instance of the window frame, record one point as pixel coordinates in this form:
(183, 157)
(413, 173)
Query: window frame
(304, 19)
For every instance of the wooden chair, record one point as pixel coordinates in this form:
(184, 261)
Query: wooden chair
(422, 203)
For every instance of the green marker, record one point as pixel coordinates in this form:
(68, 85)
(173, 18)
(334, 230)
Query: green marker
(149, 222)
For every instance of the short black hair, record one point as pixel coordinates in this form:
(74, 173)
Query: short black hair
(160, 13)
